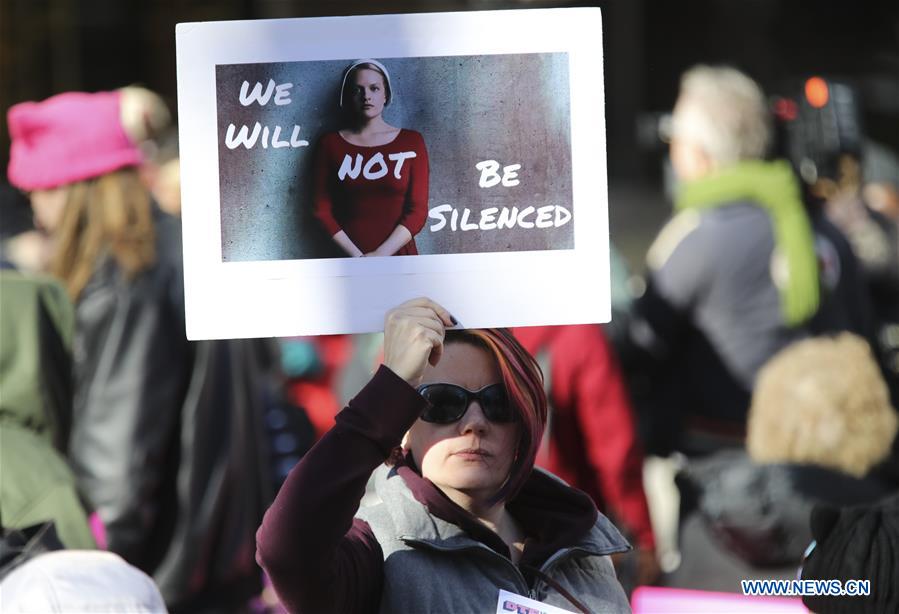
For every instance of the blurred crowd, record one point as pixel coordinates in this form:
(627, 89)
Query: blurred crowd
(737, 411)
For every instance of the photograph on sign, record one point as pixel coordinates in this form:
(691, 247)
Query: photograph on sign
(329, 178)
(291, 177)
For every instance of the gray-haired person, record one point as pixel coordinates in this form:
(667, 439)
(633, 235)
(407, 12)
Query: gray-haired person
(734, 276)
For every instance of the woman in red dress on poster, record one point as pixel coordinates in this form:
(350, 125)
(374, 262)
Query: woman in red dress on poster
(371, 179)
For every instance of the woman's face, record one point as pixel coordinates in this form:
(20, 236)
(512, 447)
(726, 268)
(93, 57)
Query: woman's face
(48, 206)
(369, 94)
(473, 455)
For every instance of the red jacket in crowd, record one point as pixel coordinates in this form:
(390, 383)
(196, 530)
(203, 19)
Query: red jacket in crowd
(591, 440)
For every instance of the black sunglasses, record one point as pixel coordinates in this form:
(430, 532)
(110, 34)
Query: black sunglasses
(447, 403)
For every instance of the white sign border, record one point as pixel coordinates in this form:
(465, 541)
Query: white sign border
(351, 295)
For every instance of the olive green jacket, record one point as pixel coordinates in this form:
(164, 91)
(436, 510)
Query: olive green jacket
(36, 483)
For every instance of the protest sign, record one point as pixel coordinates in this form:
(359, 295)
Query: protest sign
(484, 189)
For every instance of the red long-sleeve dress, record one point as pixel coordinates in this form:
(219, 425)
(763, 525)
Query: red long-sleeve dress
(368, 191)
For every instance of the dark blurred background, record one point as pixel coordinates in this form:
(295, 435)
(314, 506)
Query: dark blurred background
(49, 46)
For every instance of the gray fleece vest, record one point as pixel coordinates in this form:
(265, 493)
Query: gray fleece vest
(431, 565)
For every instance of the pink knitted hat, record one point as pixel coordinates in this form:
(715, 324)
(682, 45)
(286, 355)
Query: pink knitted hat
(67, 138)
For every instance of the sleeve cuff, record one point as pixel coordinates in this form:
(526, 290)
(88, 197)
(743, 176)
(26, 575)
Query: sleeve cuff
(384, 410)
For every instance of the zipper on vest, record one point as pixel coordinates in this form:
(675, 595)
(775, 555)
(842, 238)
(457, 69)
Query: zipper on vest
(524, 589)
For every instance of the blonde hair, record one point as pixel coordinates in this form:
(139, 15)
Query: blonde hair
(108, 215)
(724, 112)
(822, 401)
(143, 113)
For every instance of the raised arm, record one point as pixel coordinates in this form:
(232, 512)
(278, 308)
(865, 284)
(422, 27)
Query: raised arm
(320, 558)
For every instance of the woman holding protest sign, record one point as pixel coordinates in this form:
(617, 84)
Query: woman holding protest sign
(450, 426)
(371, 178)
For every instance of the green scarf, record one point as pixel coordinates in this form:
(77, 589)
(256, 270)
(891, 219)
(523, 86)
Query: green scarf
(772, 186)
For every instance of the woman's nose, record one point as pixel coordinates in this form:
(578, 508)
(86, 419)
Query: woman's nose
(474, 419)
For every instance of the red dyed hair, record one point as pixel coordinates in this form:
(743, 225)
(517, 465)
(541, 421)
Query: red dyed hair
(524, 386)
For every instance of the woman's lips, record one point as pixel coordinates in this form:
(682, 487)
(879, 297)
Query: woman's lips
(472, 454)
